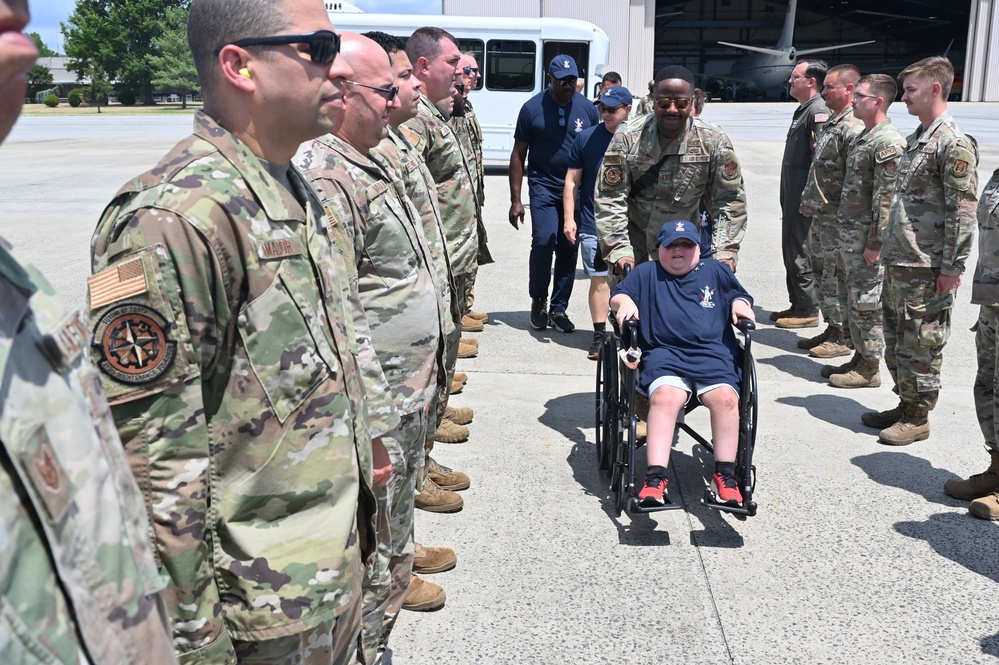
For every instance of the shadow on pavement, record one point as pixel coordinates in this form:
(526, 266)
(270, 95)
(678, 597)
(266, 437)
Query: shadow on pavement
(960, 537)
(569, 415)
(990, 645)
(796, 365)
(521, 320)
(833, 409)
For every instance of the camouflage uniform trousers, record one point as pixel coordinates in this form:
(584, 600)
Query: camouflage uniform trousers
(860, 298)
(916, 327)
(986, 387)
(332, 642)
(829, 280)
(387, 575)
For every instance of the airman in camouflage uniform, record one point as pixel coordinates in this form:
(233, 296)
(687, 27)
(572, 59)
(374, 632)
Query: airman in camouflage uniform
(401, 300)
(78, 577)
(928, 238)
(982, 489)
(871, 167)
(820, 200)
(699, 161)
(647, 104)
(77, 569)
(224, 327)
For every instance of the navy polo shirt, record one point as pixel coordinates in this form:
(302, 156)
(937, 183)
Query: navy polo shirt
(685, 325)
(549, 130)
(587, 153)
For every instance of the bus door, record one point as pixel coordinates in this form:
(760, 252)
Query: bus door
(580, 52)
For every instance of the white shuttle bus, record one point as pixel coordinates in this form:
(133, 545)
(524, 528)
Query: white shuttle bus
(513, 56)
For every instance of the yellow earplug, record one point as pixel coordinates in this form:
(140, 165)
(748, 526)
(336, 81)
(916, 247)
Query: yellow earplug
(245, 72)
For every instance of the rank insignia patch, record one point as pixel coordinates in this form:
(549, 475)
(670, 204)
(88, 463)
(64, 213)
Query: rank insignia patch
(133, 344)
(613, 175)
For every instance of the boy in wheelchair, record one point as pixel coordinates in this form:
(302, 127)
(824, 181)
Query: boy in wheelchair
(685, 307)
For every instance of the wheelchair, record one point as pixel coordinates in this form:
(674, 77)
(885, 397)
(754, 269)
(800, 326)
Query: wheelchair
(617, 418)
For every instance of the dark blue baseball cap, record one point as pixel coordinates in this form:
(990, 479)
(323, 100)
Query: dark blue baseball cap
(563, 66)
(681, 229)
(615, 95)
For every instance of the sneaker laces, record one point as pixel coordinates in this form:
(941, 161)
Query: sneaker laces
(728, 481)
(655, 481)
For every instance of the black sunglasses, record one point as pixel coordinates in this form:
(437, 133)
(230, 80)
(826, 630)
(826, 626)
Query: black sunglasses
(468, 69)
(566, 82)
(389, 93)
(323, 44)
(603, 108)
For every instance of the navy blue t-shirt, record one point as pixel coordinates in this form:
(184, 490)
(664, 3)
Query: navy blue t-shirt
(685, 323)
(548, 141)
(587, 153)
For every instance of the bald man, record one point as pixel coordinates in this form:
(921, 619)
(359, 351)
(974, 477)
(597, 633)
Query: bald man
(382, 231)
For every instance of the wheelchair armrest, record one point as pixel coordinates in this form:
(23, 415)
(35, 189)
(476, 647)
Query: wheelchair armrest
(629, 336)
(746, 325)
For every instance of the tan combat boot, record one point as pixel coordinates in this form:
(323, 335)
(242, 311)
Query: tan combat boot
(781, 314)
(461, 376)
(986, 507)
(468, 324)
(479, 316)
(794, 322)
(428, 560)
(435, 500)
(423, 596)
(834, 347)
(447, 478)
(460, 416)
(866, 374)
(882, 419)
(467, 350)
(450, 432)
(471, 341)
(828, 370)
(456, 388)
(914, 425)
(810, 342)
(978, 485)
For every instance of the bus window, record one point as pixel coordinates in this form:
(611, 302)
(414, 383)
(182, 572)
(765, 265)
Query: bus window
(511, 64)
(476, 48)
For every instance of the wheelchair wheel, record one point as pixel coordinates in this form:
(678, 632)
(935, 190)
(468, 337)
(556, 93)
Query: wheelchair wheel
(749, 408)
(608, 376)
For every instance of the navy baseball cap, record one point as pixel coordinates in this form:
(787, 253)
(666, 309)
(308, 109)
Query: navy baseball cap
(563, 66)
(616, 95)
(681, 229)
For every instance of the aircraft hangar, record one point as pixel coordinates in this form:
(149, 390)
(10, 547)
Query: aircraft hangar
(647, 34)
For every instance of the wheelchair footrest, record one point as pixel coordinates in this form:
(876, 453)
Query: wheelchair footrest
(635, 506)
(746, 508)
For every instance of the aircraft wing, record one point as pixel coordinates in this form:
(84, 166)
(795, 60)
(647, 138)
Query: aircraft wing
(833, 48)
(768, 51)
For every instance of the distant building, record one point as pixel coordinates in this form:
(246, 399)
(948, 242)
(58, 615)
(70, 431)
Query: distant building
(61, 76)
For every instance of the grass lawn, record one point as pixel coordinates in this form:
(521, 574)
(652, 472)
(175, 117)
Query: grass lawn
(114, 109)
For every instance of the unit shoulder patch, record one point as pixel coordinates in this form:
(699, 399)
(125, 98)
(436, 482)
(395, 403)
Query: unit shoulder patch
(960, 168)
(730, 171)
(133, 344)
(613, 175)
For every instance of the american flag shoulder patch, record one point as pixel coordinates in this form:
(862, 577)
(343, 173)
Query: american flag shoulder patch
(117, 283)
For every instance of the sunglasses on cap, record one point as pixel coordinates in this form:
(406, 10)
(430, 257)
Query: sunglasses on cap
(603, 108)
(323, 44)
(566, 82)
(469, 70)
(389, 93)
(665, 102)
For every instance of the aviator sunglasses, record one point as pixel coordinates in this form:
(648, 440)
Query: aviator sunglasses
(665, 102)
(389, 93)
(323, 44)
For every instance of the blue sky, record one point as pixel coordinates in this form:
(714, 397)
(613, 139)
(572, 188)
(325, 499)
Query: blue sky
(47, 14)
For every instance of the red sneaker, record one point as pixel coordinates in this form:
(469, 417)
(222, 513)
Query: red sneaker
(726, 488)
(654, 492)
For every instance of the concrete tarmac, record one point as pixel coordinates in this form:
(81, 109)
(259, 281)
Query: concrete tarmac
(856, 554)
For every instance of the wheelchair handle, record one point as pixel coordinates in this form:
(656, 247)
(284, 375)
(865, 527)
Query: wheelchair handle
(746, 325)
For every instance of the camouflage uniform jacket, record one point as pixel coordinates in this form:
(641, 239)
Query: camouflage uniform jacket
(432, 137)
(394, 267)
(821, 195)
(702, 163)
(475, 138)
(985, 287)
(222, 327)
(78, 579)
(932, 219)
(646, 106)
(399, 156)
(871, 167)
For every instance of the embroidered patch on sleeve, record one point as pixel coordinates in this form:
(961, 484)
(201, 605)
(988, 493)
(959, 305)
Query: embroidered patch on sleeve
(133, 344)
(730, 171)
(613, 175)
(117, 283)
(960, 168)
(821, 117)
(885, 154)
(891, 168)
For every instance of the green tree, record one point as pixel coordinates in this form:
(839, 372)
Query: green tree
(117, 36)
(173, 67)
(43, 49)
(39, 78)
